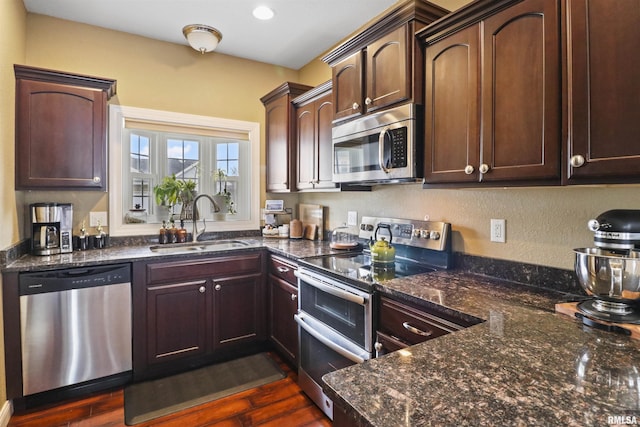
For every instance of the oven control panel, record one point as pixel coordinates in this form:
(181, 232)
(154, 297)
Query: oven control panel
(434, 235)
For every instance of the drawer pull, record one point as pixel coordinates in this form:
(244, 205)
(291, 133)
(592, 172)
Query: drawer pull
(283, 269)
(294, 297)
(415, 330)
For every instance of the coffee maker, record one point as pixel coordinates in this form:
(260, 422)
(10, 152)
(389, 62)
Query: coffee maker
(51, 228)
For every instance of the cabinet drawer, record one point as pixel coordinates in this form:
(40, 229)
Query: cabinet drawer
(204, 268)
(409, 324)
(283, 269)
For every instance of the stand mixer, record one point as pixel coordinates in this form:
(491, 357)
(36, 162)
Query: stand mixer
(610, 271)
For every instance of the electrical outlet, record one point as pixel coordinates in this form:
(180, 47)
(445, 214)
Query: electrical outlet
(498, 230)
(94, 217)
(352, 218)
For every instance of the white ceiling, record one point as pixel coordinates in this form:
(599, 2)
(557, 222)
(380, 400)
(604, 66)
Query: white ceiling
(300, 31)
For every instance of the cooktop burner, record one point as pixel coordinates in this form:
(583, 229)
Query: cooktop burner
(357, 266)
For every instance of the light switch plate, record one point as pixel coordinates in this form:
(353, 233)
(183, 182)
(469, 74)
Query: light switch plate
(352, 218)
(94, 217)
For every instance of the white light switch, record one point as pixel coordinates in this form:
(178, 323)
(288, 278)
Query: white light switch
(352, 218)
(94, 217)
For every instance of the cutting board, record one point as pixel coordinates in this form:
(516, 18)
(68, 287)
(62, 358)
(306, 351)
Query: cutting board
(312, 215)
(571, 308)
(310, 231)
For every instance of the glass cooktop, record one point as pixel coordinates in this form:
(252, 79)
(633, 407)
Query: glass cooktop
(357, 266)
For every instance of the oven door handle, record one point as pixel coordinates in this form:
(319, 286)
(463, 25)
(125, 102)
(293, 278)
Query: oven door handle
(330, 289)
(322, 337)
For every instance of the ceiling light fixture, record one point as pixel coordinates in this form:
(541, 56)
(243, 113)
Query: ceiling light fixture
(202, 38)
(263, 12)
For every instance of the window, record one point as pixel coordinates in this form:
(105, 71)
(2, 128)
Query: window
(148, 145)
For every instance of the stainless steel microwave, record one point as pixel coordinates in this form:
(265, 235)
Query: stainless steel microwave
(379, 148)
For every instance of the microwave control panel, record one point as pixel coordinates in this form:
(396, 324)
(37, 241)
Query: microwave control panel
(395, 148)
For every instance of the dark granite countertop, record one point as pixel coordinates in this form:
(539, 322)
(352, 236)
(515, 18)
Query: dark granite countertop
(289, 248)
(524, 366)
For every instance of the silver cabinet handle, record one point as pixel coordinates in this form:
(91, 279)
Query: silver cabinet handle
(484, 168)
(367, 101)
(577, 161)
(294, 297)
(283, 269)
(355, 106)
(469, 169)
(97, 179)
(415, 330)
(378, 348)
(202, 289)
(217, 287)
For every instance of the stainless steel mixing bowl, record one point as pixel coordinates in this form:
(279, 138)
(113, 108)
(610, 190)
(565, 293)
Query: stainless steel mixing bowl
(609, 275)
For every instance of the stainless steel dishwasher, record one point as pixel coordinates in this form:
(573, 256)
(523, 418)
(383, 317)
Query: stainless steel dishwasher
(75, 326)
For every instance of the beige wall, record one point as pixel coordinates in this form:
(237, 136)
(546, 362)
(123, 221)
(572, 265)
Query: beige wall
(12, 50)
(150, 74)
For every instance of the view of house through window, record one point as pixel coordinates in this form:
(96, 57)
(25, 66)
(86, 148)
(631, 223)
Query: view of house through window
(213, 165)
(159, 161)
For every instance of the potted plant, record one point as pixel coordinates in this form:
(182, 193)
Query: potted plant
(172, 191)
(223, 196)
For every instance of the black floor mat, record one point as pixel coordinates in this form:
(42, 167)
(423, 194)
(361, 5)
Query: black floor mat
(152, 399)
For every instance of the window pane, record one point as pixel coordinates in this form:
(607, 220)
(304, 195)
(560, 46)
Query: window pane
(139, 153)
(140, 192)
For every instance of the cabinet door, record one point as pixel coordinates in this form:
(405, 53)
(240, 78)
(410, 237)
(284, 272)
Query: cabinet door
(61, 136)
(452, 126)
(604, 90)
(277, 147)
(324, 143)
(176, 321)
(521, 93)
(238, 311)
(388, 72)
(347, 87)
(283, 298)
(306, 137)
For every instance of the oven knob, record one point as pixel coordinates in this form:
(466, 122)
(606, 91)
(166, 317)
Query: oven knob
(369, 227)
(434, 235)
(424, 234)
(416, 232)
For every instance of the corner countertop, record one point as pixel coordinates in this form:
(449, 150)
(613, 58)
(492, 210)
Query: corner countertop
(525, 365)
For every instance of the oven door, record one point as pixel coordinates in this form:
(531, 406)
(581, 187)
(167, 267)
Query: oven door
(338, 306)
(323, 350)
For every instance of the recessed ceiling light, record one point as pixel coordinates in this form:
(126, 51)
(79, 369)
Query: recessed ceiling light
(263, 12)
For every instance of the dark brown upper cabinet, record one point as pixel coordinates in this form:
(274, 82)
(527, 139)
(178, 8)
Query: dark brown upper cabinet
(280, 136)
(603, 91)
(492, 94)
(314, 116)
(376, 68)
(61, 130)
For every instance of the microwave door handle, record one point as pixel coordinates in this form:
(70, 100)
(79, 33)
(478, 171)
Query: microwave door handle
(327, 341)
(381, 139)
(330, 289)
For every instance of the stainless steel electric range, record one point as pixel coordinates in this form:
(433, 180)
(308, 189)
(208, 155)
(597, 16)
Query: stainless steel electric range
(337, 297)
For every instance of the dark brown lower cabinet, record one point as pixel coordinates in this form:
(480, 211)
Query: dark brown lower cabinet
(283, 304)
(194, 311)
(402, 324)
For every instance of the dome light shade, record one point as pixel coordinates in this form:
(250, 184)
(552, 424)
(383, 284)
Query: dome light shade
(202, 38)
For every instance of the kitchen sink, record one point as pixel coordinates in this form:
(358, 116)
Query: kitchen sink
(208, 246)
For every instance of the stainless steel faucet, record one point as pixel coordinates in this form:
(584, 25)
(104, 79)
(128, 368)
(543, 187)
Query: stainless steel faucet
(216, 208)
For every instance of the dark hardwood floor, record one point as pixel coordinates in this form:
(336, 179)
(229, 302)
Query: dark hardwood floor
(278, 404)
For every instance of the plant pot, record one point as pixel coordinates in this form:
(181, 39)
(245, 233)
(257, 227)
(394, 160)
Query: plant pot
(221, 201)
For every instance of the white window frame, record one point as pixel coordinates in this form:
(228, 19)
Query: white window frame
(117, 116)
